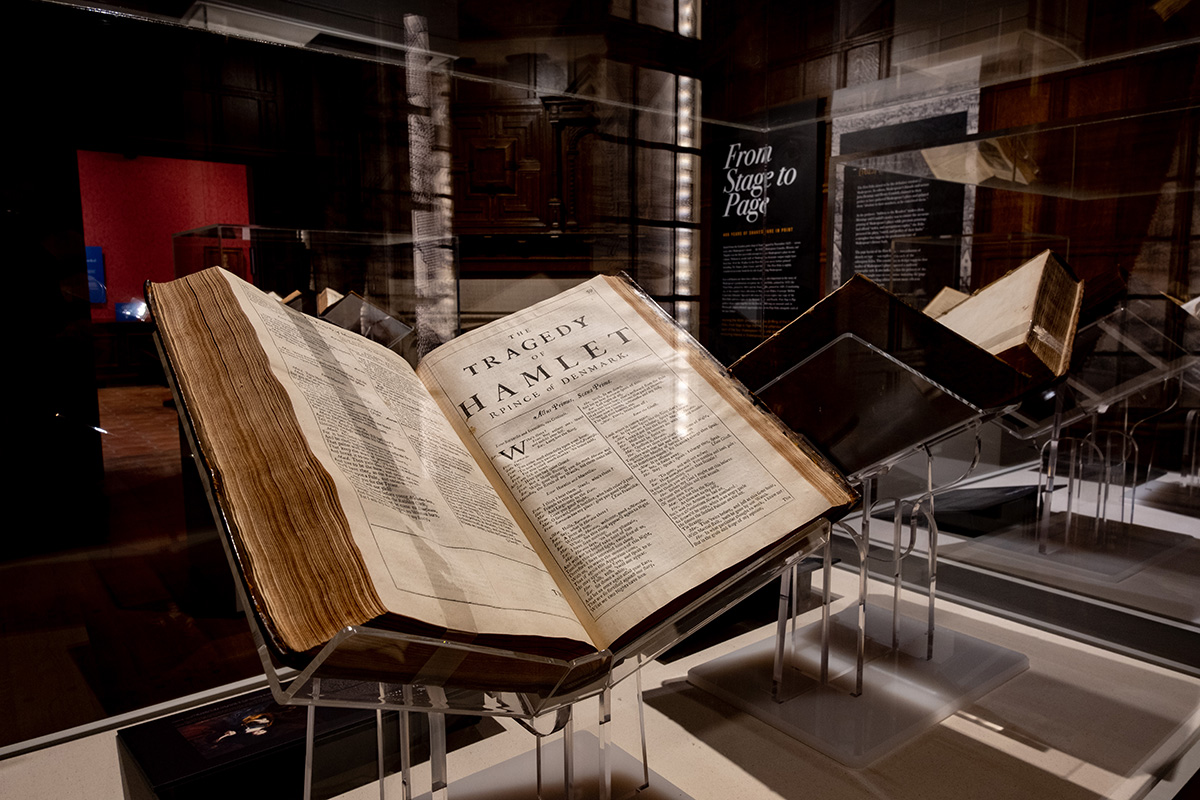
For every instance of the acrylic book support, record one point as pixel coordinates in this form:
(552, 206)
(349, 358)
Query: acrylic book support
(899, 412)
(434, 687)
(873, 409)
(1117, 358)
(789, 681)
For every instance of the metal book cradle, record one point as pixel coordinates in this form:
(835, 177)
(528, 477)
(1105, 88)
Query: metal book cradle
(436, 689)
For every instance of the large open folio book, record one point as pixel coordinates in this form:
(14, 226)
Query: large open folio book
(553, 482)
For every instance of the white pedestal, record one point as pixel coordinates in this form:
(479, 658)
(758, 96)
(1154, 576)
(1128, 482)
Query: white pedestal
(903, 693)
(515, 779)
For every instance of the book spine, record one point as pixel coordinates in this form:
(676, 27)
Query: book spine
(1055, 315)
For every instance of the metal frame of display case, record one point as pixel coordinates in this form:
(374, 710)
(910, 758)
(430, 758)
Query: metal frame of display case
(431, 689)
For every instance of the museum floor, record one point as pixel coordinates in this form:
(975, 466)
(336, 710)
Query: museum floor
(1080, 722)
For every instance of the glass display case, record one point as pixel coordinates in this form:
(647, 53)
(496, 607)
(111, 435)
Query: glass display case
(413, 171)
(315, 271)
(1109, 436)
(922, 266)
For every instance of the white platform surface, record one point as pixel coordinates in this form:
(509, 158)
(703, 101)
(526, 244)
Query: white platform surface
(510, 780)
(1078, 723)
(903, 695)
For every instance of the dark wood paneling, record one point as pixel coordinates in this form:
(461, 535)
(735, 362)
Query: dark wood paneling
(1104, 139)
(502, 167)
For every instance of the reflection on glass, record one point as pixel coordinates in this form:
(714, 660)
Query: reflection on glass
(428, 127)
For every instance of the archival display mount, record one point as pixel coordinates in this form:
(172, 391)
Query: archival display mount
(796, 681)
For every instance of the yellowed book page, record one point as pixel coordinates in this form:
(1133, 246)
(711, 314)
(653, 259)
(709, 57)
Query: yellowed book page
(636, 478)
(1000, 315)
(943, 301)
(435, 538)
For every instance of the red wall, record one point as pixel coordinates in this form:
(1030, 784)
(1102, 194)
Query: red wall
(132, 206)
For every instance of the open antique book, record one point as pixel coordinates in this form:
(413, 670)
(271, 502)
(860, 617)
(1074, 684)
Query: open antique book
(1026, 317)
(548, 483)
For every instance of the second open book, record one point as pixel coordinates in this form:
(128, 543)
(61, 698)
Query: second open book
(548, 482)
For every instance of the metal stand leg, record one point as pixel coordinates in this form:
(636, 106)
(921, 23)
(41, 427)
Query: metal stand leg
(827, 577)
(1047, 475)
(897, 527)
(783, 642)
(308, 739)
(795, 583)
(1191, 450)
(569, 787)
(864, 549)
(439, 782)
(1073, 485)
(379, 759)
(927, 504)
(406, 746)
(537, 764)
(933, 548)
(308, 752)
(605, 767)
(641, 704)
